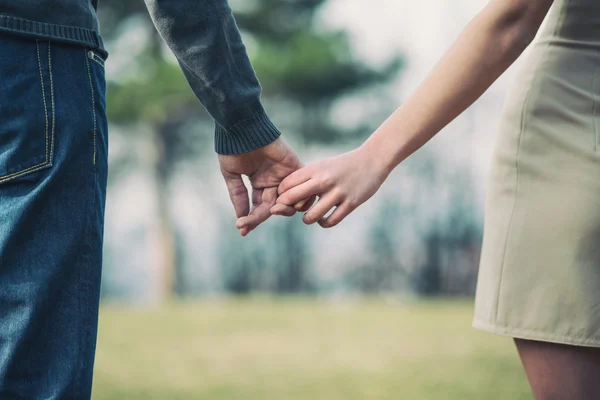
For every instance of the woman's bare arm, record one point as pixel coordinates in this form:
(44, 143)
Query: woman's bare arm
(486, 48)
(491, 42)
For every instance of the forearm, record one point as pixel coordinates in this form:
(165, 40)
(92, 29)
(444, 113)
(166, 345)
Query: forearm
(205, 39)
(484, 50)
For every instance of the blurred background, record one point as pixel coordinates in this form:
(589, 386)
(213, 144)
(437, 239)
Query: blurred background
(378, 308)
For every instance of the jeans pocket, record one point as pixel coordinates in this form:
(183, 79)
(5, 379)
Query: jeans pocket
(27, 112)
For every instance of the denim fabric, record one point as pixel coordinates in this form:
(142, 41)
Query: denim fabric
(203, 36)
(53, 174)
(65, 20)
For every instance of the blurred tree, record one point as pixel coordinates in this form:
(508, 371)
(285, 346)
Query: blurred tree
(295, 60)
(242, 271)
(307, 66)
(160, 98)
(384, 271)
(282, 269)
(310, 70)
(428, 278)
(292, 263)
(463, 231)
(449, 235)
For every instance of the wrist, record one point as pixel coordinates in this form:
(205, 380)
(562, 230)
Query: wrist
(379, 155)
(250, 134)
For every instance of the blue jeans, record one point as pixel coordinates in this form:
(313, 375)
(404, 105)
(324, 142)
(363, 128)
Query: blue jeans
(53, 173)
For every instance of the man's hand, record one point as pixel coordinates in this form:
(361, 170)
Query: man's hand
(266, 167)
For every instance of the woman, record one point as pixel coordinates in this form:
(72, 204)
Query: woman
(540, 267)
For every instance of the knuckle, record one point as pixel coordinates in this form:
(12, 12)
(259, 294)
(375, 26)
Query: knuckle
(339, 195)
(327, 181)
(352, 203)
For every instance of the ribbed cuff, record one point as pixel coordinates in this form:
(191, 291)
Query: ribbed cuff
(247, 135)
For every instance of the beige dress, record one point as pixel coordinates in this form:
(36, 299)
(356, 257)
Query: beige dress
(540, 268)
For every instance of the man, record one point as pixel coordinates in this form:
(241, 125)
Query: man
(53, 171)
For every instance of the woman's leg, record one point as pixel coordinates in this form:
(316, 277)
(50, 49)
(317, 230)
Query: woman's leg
(561, 372)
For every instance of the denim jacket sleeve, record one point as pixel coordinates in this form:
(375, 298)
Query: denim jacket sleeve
(204, 37)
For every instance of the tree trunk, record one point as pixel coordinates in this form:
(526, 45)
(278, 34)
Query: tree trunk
(165, 233)
(167, 262)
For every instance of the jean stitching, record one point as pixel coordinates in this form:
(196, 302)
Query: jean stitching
(37, 44)
(46, 162)
(95, 58)
(93, 103)
(98, 62)
(51, 101)
(24, 172)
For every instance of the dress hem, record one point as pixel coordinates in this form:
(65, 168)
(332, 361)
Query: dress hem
(535, 335)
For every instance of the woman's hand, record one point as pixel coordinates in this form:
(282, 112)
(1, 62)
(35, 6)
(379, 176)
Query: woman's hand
(344, 182)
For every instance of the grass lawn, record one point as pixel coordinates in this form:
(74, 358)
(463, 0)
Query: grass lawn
(302, 349)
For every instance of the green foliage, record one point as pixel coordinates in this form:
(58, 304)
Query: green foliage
(114, 13)
(277, 20)
(315, 68)
(309, 67)
(154, 99)
(294, 59)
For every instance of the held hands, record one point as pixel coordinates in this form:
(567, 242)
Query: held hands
(266, 167)
(344, 182)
